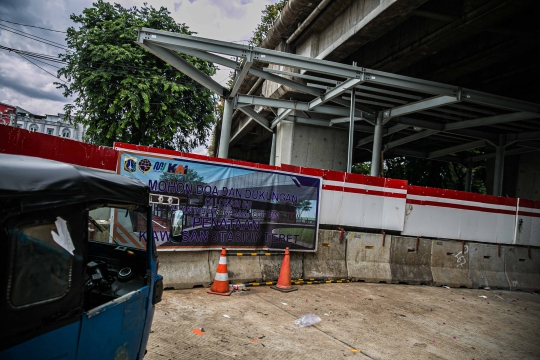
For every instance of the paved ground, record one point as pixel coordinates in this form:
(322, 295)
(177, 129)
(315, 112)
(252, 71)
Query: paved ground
(366, 321)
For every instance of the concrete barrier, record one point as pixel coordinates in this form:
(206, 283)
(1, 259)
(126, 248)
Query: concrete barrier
(523, 272)
(367, 259)
(410, 261)
(450, 264)
(486, 267)
(240, 268)
(270, 266)
(329, 260)
(184, 270)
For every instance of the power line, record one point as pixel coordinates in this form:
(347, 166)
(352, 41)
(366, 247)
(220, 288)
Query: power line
(37, 27)
(47, 42)
(42, 68)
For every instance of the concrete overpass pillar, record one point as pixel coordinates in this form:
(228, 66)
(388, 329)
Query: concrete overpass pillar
(377, 147)
(225, 129)
(499, 167)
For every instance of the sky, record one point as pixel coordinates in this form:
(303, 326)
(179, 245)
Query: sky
(25, 85)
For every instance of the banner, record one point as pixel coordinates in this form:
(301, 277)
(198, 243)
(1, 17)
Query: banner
(228, 205)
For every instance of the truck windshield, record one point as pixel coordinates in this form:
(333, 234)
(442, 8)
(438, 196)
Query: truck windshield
(117, 226)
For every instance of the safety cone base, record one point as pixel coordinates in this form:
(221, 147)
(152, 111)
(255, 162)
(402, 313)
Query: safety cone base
(218, 293)
(284, 290)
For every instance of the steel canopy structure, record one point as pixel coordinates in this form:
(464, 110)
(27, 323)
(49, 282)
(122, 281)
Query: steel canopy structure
(419, 118)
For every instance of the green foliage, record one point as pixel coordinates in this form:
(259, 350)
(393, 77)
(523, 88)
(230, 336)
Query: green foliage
(361, 168)
(269, 15)
(125, 93)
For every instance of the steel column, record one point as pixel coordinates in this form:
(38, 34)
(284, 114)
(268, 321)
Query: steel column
(351, 134)
(377, 147)
(499, 167)
(468, 176)
(273, 150)
(225, 129)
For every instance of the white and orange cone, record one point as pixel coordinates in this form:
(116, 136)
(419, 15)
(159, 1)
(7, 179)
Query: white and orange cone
(221, 281)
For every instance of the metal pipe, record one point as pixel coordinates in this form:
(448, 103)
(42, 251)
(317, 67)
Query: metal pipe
(499, 167)
(225, 129)
(273, 150)
(351, 133)
(308, 20)
(468, 176)
(377, 148)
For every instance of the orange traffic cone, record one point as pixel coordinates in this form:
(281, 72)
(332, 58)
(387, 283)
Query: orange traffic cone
(221, 281)
(284, 280)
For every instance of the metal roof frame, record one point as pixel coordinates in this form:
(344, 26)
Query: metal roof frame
(390, 104)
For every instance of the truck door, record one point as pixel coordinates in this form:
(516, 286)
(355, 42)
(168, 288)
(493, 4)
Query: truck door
(117, 287)
(42, 284)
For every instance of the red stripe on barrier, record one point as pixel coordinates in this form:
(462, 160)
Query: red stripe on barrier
(526, 213)
(312, 171)
(23, 142)
(333, 175)
(332, 188)
(460, 195)
(459, 206)
(290, 168)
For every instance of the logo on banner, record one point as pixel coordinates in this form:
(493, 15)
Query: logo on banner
(130, 164)
(145, 165)
(170, 168)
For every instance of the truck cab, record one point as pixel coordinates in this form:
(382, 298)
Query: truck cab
(76, 279)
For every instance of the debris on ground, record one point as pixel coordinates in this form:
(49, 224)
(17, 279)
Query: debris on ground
(226, 316)
(483, 296)
(307, 320)
(199, 332)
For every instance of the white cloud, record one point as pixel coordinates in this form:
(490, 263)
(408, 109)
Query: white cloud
(25, 85)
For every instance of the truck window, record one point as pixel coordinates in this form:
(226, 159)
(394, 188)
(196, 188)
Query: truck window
(41, 268)
(117, 226)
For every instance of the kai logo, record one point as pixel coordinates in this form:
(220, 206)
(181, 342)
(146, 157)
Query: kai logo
(130, 164)
(170, 168)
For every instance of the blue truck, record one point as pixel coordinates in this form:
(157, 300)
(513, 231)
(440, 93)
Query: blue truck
(71, 286)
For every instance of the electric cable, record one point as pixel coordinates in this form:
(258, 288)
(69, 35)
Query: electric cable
(29, 37)
(37, 27)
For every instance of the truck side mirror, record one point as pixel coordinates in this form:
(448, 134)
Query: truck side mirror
(177, 220)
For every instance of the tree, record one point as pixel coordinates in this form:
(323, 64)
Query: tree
(125, 93)
(301, 206)
(269, 15)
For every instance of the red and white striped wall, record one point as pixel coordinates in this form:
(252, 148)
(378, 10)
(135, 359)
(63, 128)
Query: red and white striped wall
(359, 200)
(527, 223)
(346, 199)
(459, 215)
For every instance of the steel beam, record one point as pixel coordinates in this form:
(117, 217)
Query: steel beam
(335, 92)
(533, 135)
(386, 132)
(283, 81)
(419, 106)
(343, 120)
(457, 148)
(491, 120)
(243, 100)
(411, 138)
(516, 151)
(182, 65)
(249, 111)
(248, 62)
(280, 117)
(501, 102)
